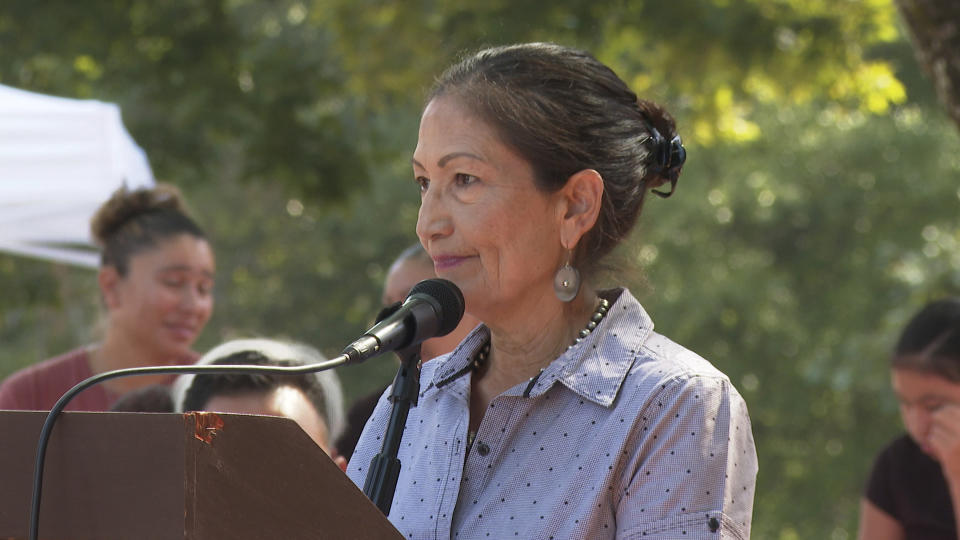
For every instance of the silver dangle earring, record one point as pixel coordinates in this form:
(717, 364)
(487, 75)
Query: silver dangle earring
(566, 282)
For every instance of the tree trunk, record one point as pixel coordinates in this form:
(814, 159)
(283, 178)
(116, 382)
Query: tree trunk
(935, 25)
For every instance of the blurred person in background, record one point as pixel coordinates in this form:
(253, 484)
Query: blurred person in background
(314, 401)
(412, 266)
(156, 282)
(153, 398)
(914, 488)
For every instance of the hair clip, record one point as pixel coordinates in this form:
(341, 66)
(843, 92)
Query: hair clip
(670, 157)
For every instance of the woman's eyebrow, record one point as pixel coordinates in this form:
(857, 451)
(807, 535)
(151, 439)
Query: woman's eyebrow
(182, 268)
(445, 159)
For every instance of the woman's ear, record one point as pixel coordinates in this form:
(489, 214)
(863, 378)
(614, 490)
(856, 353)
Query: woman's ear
(108, 279)
(583, 196)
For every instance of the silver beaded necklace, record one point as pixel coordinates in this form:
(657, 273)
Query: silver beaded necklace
(480, 359)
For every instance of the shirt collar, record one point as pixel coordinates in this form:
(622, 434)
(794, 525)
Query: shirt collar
(594, 368)
(455, 364)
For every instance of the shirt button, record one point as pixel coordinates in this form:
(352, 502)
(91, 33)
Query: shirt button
(483, 449)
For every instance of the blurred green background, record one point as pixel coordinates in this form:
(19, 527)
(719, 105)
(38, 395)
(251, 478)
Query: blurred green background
(817, 211)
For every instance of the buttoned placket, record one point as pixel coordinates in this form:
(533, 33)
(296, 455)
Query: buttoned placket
(457, 505)
(458, 393)
(478, 468)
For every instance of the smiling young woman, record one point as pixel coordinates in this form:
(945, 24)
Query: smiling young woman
(156, 282)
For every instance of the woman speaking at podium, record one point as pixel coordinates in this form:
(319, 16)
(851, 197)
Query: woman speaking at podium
(564, 415)
(156, 282)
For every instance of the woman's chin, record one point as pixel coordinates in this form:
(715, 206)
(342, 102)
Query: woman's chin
(179, 355)
(927, 449)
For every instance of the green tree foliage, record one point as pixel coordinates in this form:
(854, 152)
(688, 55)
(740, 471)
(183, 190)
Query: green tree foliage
(714, 58)
(201, 83)
(296, 268)
(933, 25)
(817, 210)
(792, 262)
(44, 310)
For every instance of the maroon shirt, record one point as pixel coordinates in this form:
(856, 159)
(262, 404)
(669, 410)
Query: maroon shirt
(38, 387)
(910, 487)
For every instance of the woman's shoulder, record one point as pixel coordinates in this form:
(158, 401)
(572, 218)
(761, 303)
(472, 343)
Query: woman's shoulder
(900, 450)
(662, 356)
(74, 361)
(34, 386)
(633, 328)
(665, 371)
(655, 361)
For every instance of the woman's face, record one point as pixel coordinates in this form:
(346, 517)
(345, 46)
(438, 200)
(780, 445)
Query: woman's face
(482, 220)
(165, 299)
(284, 401)
(403, 275)
(921, 395)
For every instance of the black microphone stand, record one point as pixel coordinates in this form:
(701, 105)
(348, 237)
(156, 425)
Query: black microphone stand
(384, 470)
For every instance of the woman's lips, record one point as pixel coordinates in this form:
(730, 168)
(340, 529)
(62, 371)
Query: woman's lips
(182, 332)
(445, 262)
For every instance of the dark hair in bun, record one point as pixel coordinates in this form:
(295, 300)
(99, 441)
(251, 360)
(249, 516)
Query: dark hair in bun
(564, 111)
(133, 221)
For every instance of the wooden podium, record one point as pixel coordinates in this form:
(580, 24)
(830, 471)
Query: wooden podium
(141, 476)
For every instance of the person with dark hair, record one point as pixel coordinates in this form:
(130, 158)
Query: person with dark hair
(156, 282)
(563, 415)
(914, 487)
(314, 401)
(153, 398)
(412, 266)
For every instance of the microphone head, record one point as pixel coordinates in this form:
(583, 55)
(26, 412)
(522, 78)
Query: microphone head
(447, 297)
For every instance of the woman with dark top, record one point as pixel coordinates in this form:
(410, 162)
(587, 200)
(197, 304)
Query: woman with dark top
(914, 488)
(156, 282)
(563, 415)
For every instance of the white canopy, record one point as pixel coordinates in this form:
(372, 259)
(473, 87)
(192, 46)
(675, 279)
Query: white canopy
(59, 160)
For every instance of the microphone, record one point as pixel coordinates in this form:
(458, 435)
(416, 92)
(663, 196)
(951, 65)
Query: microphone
(433, 308)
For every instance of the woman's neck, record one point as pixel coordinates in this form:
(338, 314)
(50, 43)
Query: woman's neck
(116, 352)
(526, 342)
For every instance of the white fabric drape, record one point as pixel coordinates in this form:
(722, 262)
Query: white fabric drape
(59, 160)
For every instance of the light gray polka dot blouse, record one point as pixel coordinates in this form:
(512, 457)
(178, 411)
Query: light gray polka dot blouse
(626, 435)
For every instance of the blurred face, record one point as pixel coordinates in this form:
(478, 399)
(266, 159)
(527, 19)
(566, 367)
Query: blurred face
(921, 395)
(402, 277)
(165, 299)
(286, 401)
(482, 220)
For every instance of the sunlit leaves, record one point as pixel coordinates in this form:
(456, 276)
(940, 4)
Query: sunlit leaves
(716, 63)
(804, 252)
(202, 83)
